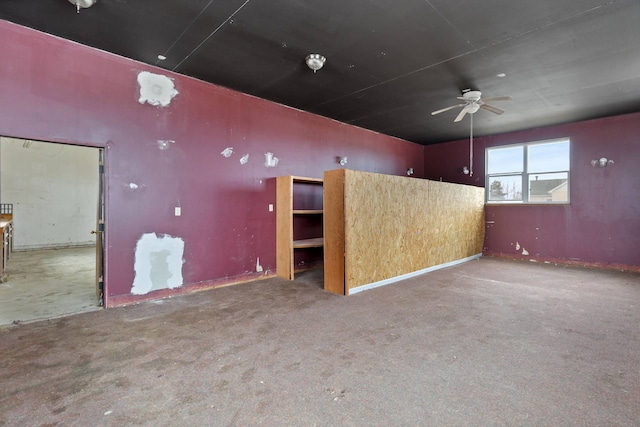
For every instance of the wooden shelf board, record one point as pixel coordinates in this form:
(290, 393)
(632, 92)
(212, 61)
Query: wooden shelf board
(307, 211)
(307, 180)
(309, 243)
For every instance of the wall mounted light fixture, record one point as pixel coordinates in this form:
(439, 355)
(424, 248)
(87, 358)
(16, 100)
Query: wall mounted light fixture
(602, 162)
(341, 160)
(315, 61)
(82, 4)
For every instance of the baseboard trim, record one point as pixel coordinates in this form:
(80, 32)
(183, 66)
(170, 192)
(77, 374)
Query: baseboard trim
(566, 262)
(410, 275)
(131, 299)
(52, 246)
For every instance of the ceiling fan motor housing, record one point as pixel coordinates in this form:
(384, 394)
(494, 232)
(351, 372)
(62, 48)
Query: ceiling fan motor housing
(472, 95)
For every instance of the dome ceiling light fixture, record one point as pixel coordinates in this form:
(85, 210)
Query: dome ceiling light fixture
(315, 61)
(82, 4)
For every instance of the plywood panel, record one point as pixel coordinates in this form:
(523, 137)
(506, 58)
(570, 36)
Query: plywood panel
(397, 225)
(334, 231)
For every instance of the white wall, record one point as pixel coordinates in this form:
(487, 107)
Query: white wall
(54, 191)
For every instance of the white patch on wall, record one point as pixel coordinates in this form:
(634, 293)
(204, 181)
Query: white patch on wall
(156, 89)
(164, 144)
(259, 268)
(158, 263)
(270, 160)
(133, 186)
(227, 152)
(244, 159)
(525, 252)
(517, 246)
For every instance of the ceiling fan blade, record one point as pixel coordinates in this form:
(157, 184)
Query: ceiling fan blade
(498, 98)
(491, 108)
(447, 109)
(461, 115)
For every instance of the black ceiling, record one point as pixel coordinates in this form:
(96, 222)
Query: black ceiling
(389, 62)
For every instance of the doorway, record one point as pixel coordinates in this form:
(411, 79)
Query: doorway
(55, 266)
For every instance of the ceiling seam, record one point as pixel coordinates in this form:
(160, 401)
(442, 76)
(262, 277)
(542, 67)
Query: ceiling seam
(211, 34)
(469, 52)
(166, 52)
(398, 77)
(378, 113)
(451, 25)
(475, 48)
(550, 24)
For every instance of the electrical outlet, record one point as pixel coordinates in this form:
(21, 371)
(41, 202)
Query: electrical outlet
(270, 207)
(178, 211)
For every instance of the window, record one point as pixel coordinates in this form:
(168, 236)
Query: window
(536, 172)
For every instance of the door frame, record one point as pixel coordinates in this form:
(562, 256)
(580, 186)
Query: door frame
(99, 231)
(103, 150)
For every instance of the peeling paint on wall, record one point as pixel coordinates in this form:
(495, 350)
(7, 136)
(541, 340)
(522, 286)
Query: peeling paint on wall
(258, 266)
(244, 159)
(270, 160)
(155, 89)
(158, 263)
(227, 152)
(164, 144)
(133, 186)
(517, 246)
(525, 252)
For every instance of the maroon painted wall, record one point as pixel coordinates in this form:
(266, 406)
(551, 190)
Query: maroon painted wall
(55, 90)
(601, 225)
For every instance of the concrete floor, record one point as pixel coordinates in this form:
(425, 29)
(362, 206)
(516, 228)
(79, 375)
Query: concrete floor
(488, 342)
(43, 284)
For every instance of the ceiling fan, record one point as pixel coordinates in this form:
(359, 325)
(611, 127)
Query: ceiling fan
(473, 101)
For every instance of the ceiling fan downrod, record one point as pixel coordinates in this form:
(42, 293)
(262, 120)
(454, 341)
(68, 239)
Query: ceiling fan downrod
(471, 148)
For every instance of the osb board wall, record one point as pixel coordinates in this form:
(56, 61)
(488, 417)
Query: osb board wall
(397, 225)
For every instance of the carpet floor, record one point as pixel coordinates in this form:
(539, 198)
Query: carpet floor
(487, 342)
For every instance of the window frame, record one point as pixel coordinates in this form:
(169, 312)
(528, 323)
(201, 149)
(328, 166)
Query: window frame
(525, 174)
